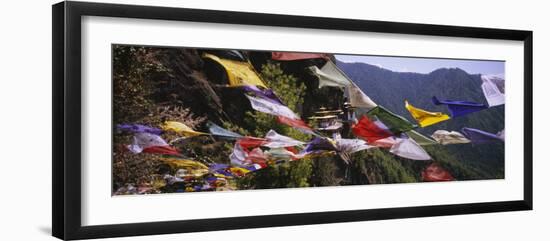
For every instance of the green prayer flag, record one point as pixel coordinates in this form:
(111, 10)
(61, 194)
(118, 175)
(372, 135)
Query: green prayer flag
(395, 123)
(420, 139)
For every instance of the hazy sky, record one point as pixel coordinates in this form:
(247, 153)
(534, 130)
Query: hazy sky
(427, 65)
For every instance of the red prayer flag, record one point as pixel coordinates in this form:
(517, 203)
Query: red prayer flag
(387, 142)
(436, 173)
(168, 150)
(289, 56)
(251, 142)
(297, 123)
(369, 130)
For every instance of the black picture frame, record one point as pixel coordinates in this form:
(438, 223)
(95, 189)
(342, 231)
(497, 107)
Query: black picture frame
(66, 197)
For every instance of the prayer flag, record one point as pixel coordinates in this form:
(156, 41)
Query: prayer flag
(216, 130)
(460, 108)
(369, 130)
(351, 145)
(444, 137)
(330, 75)
(275, 140)
(266, 94)
(238, 156)
(436, 173)
(420, 139)
(178, 163)
(296, 123)
(257, 156)
(491, 91)
(395, 123)
(251, 142)
(269, 107)
(181, 129)
(320, 143)
(358, 99)
(289, 56)
(479, 137)
(144, 140)
(167, 150)
(387, 142)
(500, 134)
(409, 149)
(238, 72)
(238, 171)
(137, 128)
(425, 118)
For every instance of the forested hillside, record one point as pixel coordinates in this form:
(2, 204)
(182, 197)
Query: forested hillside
(390, 89)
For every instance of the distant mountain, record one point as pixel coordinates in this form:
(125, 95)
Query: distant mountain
(390, 89)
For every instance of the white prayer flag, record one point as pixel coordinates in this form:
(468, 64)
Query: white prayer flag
(238, 156)
(408, 148)
(358, 99)
(276, 140)
(444, 137)
(143, 140)
(269, 107)
(491, 91)
(351, 145)
(331, 75)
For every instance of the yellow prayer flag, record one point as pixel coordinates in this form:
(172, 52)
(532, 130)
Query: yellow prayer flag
(238, 72)
(425, 118)
(239, 171)
(177, 163)
(181, 128)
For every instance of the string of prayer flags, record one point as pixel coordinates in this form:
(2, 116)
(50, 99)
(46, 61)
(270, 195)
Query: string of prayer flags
(444, 137)
(266, 94)
(330, 75)
(395, 123)
(218, 131)
(436, 173)
(460, 108)
(425, 118)
(409, 149)
(491, 91)
(238, 72)
(369, 130)
(479, 137)
(420, 139)
(181, 129)
(138, 128)
(290, 56)
(271, 108)
(276, 140)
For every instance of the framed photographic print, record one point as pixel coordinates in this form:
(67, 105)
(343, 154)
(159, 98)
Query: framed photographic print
(170, 120)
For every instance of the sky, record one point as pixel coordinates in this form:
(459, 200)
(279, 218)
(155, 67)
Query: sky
(427, 65)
